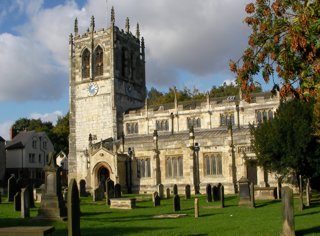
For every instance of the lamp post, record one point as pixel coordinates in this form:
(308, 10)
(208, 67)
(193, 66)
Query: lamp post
(195, 155)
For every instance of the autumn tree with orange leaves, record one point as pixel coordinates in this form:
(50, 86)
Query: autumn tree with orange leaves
(285, 40)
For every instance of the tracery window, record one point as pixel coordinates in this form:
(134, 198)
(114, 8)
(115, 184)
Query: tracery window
(213, 164)
(264, 115)
(98, 61)
(162, 125)
(143, 167)
(132, 128)
(174, 166)
(86, 64)
(226, 119)
(195, 122)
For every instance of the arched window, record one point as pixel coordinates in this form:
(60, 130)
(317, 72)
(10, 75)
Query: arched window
(270, 114)
(86, 64)
(98, 61)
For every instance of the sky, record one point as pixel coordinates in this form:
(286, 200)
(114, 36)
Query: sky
(188, 44)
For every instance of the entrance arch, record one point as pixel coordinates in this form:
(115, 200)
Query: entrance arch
(103, 175)
(101, 172)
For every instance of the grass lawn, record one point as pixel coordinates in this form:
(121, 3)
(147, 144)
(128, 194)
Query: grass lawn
(98, 219)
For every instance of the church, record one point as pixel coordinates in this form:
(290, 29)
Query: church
(115, 135)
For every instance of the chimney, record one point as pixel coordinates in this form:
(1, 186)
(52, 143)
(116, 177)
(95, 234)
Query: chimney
(13, 132)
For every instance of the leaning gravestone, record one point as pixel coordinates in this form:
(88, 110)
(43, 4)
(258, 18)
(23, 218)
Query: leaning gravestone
(117, 191)
(168, 193)
(175, 189)
(176, 203)
(187, 191)
(73, 209)
(287, 212)
(222, 196)
(17, 201)
(161, 191)
(208, 192)
(25, 202)
(215, 193)
(11, 188)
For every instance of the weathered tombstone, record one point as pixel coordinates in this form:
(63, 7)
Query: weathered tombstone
(176, 203)
(117, 191)
(83, 192)
(222, 195)
(17, 201)
(244, 192)
(168, 193)
(301, 206)
(73, 209)
(175, 189)
(98, 193)
(31, 195)
(25, 202)
(188, 191)
(156, 200)
(11, 188)
(209, 193)
(218, 192)
(288, 228)
(252, 195)
(196, 208)
(308, 193)
(215, 193)
(109, 190)
(154, 194)
(161, 191)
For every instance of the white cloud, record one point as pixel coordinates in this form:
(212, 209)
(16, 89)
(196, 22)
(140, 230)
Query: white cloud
(5, 129)
(52, 117)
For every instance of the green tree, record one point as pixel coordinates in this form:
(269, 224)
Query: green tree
(285, 39)
(286, 144)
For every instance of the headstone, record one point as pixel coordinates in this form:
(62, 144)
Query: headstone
(288, 228)
(301, 206)
(244, 192)
(98, 193)
(209, 193)
(17, 201)
(176, 203)
(279, 190)
(31, 195)
(196, 208)
(83, 192)
(154, 194)
(188, 191)
(222, 195)
(168, 193)
(73, 209)
(117, 191)
(308, 193)
(218, 192)
(11, 188)
(25, 203)
(161, 191)
(156, 200)
(175, 189)
(109, 190)
(252, 195)
(215, 193)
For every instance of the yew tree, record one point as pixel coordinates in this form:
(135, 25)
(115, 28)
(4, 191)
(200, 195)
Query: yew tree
(284, 42)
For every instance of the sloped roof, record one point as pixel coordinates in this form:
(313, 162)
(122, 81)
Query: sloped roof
(20, 140)
(1, 139)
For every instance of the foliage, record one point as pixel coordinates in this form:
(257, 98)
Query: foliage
(285, 39)
(286, 143)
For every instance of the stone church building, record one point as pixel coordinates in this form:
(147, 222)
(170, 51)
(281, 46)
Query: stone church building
(115, 134)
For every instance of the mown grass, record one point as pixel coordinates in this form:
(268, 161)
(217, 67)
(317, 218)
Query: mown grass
(98, 219)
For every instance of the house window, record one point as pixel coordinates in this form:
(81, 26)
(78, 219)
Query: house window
(264, 115)
(32, 158)
(143, 167)
(98, 61)
(195, 122)
(132, 128)
(212, 164)
(162, 125)
(86, 64)
(34, 144)
(226, 119)
(174, 166)
(40, 158)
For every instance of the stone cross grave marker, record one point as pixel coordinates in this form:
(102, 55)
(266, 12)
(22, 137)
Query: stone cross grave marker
(187, 192)
(288, 228)
(25, 202)
(73, 209)
(176, 203)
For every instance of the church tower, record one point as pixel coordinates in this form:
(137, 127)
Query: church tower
(107, 78)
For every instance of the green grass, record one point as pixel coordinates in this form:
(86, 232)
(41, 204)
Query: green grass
(98, 219)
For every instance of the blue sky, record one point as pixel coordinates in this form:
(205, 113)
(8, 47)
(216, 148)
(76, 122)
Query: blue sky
(188, 43)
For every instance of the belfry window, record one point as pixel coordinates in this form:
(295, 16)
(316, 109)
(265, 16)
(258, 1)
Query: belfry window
(86, 64)
(98, 61)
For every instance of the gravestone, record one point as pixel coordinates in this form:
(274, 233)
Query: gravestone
(196, 208)
(11, 188)
(288, 228)
(117, 191)
(156, 200)
(109, 190)
(215, 193)
(52, 204)
(17, 201)
(188, 191)
(308, 193)
(73, 209)
(222, 195)
(154, 194)
(218, 194)
(25, 203)
(176, 203)
(98, 193)
(252, 195)
(168, 193)
(161, 191)
(244, 192)
(208, 192)
(83, 192)
(301, 206)
(31, 195)
(175, 189)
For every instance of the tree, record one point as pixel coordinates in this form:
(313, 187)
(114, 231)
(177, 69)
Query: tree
(286, 144)
(285, 39)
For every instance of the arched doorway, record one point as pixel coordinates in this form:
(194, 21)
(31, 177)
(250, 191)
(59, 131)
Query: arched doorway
(103, 175)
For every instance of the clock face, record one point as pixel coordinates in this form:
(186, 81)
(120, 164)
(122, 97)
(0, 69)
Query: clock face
(93, 89)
